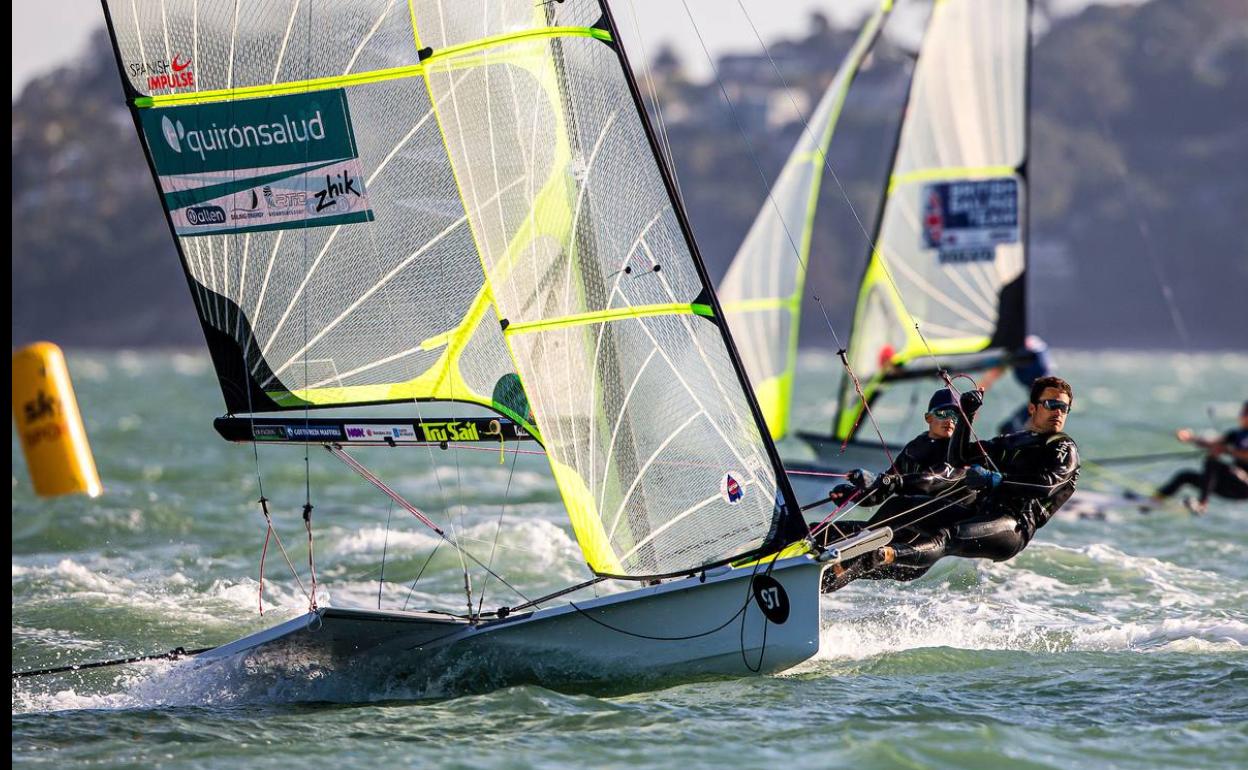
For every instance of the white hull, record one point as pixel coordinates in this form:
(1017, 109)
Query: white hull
(680, 629)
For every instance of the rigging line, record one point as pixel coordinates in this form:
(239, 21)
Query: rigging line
(525, 550)
(970, 424)
(841, 352)
(459, 480)
(749, 147)
(665, 142)
(1144, 459)
(504, 611)
(270, 531)
(176, 653)
(370, 477)
(1137, 205)
(935, 498)
(749, 591)
(367, 475)
(829, 520)
(421, 572)
(744, 606)
(969, 495)
(307, 416)
(498, 526)
(264, 552)
(450, 516)
(277, 538)
(385, 545)
(386, 291)
(827, 164)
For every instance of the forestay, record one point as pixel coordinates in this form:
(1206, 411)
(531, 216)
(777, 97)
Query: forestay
(762, 291)
(458, 201)
(949, 253)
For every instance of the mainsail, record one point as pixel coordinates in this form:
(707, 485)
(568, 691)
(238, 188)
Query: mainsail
(946, 275)
(762, 290)
(380, 202)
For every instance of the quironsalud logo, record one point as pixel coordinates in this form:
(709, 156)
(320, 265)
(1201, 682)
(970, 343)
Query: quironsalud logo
(173, 133)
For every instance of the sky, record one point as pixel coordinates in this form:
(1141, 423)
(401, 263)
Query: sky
(50, 32)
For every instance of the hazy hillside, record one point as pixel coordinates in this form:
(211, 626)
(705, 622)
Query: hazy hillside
(1139, 148)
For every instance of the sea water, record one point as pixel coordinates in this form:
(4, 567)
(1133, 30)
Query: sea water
(1117, 642)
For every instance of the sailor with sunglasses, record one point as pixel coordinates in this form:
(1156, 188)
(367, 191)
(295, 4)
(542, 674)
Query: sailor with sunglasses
(921, 493)
(1022, 479)
(985, 501)
(921, 469)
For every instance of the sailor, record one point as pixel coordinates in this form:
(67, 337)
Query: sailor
(1029, 364)
(920, 471)
(1229, 480)
(1014, 484)
(911, 494)
(1024, 478)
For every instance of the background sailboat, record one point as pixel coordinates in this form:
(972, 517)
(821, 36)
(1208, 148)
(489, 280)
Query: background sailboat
(945, 277)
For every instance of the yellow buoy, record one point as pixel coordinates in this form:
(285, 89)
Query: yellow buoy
(49, 425)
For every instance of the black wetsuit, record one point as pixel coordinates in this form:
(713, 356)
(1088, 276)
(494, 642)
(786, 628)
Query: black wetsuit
(919, 472)
(1038, 475)
(1216, 477)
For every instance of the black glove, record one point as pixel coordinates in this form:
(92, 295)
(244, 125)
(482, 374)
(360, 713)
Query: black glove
(971, 401)
(860, 478)
(841, 492)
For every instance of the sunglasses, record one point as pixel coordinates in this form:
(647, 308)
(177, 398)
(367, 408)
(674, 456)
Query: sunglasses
(945, 413)
(1054, 405)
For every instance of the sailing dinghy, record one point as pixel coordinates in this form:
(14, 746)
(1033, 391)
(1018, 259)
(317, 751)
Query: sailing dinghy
(378, 203)
(944, 284)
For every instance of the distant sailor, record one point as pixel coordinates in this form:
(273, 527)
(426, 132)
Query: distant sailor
(1029, 364)
(1013, 486)
(1229, 480)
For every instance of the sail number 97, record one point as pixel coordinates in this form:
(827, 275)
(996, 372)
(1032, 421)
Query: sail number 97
(771, 598)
